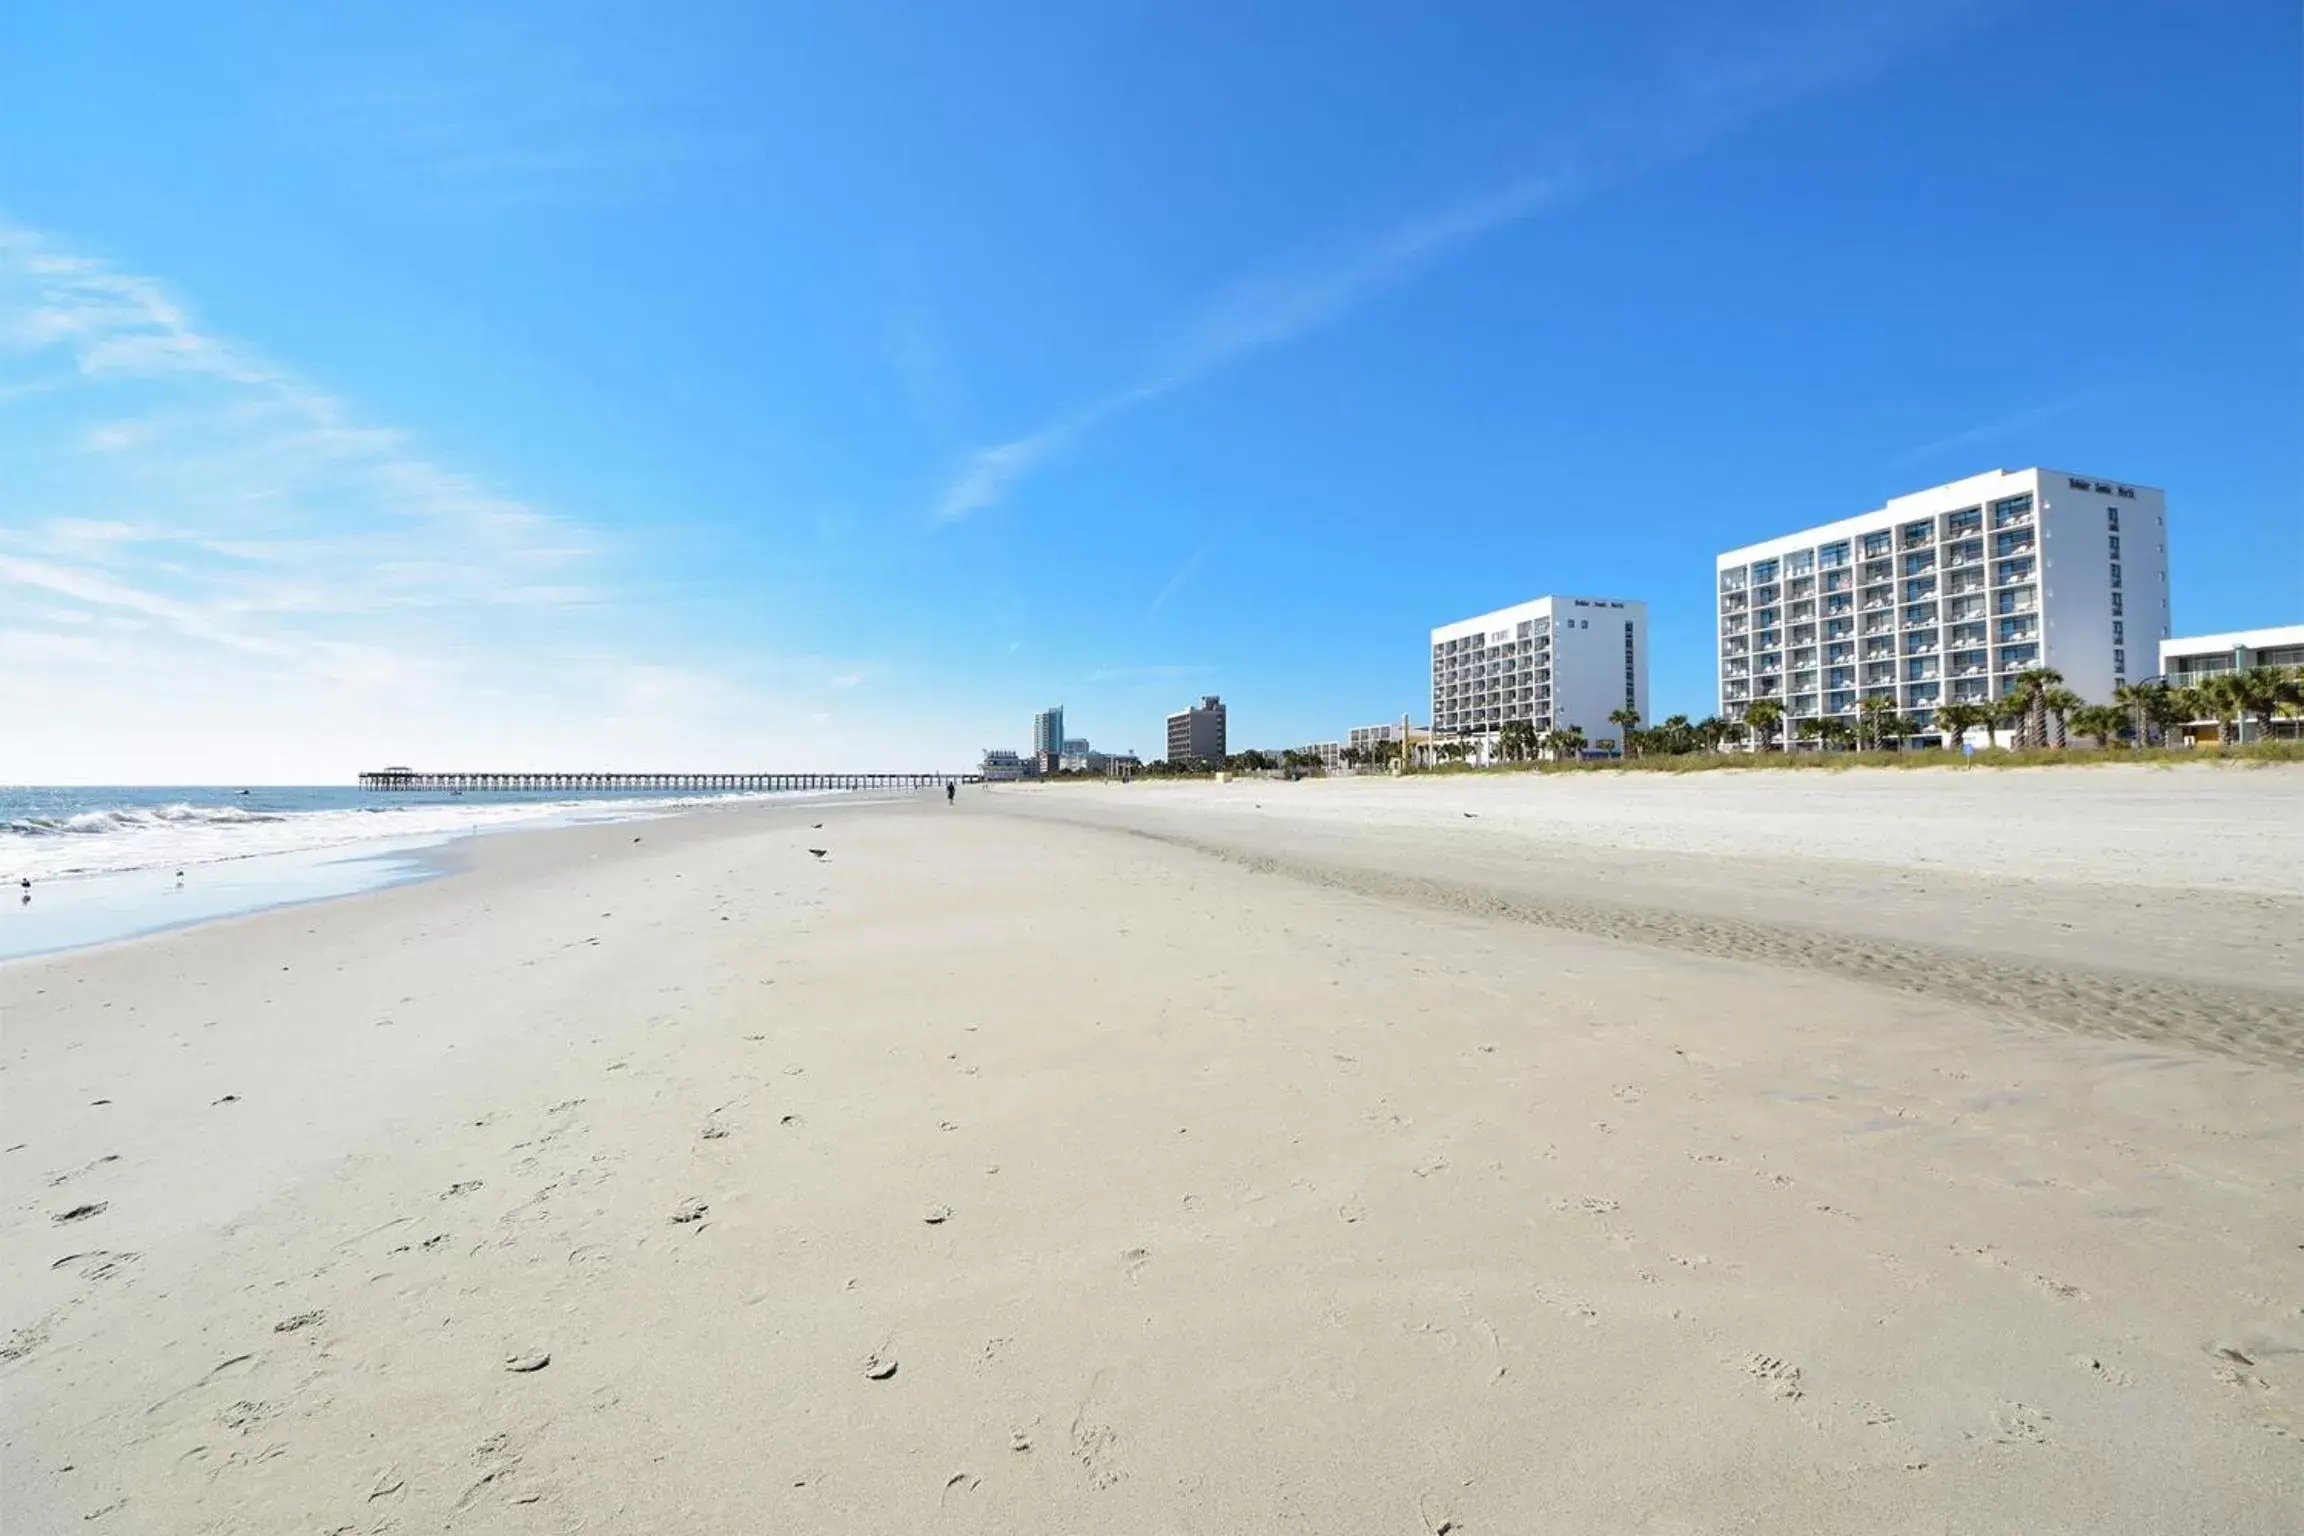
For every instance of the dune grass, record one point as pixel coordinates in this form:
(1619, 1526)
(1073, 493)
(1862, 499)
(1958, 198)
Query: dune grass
(1845, 762)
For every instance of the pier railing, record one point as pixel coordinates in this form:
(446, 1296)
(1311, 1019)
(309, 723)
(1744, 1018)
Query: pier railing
(409, 780)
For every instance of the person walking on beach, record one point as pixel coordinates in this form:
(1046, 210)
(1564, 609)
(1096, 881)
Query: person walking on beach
(951, 791)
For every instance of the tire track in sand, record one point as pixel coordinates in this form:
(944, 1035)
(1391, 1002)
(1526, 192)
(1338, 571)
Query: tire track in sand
(2256, 1025)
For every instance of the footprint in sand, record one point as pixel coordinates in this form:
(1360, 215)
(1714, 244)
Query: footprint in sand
(2019, 1424)
(1780, 1376)
(1095, 1447)
(81, 1212)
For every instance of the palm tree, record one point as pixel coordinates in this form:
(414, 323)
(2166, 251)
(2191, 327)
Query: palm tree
(2031, 687)
(1833, 732)
(1869, 716)
(2142, 701)
(1957, 719)
(2288, 699)
(2191, 703)
(2102, 721)
(2226, 699)
(2007, 713)
(1714, 731)
(1627, 721)
(2059, 704)
(2261, 692)
(1516, 740)
(1567, 741)
(1764, 718)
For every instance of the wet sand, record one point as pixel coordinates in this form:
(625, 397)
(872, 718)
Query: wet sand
(1242, 1158)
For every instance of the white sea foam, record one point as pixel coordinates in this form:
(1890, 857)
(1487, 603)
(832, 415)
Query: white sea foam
(111, 840)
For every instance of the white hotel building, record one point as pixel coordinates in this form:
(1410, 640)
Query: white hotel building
(1554, 662)
(1947, 594)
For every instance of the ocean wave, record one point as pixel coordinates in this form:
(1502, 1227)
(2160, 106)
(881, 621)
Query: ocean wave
(131, 817)
(118, 839)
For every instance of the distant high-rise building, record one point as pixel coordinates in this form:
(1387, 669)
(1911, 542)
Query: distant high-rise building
(1197, 734)
(1048, 732)
(1551, 663)
(1948, 596)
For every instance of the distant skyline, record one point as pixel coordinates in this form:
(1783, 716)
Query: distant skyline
(801, 387)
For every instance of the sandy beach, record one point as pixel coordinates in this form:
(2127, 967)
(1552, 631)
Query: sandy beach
(1770, 1152)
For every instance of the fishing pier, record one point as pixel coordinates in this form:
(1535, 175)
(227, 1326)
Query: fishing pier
(410, 781)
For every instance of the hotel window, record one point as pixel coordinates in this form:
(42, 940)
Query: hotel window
(2115, 546)
(2115, 575)
(2112, 516)
(2118, 637)
(2011, 510)
(2115, 602)
(2119, 659)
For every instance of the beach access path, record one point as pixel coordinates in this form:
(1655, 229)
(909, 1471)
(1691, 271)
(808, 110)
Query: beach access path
(1771, 1152)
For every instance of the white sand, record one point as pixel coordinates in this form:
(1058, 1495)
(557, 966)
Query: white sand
(1584, 1165)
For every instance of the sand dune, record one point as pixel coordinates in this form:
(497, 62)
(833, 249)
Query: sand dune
(1183, 1160)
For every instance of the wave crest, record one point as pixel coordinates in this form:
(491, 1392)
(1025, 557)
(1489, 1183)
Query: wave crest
(131, 817)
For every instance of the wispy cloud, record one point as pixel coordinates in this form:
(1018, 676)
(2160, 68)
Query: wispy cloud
(277, 500)
(1998, 430)
(1177, 582)
(1282, 303)
(210, 567)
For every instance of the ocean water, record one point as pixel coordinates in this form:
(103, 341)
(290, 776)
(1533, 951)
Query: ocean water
(56, 833)
(110, 864)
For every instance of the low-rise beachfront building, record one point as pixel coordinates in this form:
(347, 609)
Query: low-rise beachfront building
(1551, 663)
(1367, 739)
(1001, 764)
(2186, 661)
(1947, 594)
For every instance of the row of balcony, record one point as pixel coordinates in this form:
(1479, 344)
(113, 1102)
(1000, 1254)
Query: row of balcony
(2012, 518)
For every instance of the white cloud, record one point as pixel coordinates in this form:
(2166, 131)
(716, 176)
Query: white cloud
(246, 581)
(1286, 302)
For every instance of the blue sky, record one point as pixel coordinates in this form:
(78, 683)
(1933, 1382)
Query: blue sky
(835, 385)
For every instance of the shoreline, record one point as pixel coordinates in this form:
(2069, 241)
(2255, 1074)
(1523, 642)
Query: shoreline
(104, 907)
(575, 1189)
